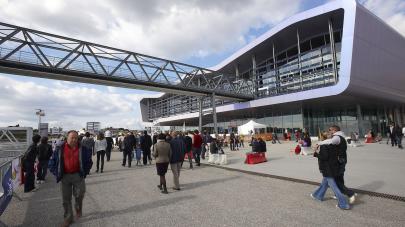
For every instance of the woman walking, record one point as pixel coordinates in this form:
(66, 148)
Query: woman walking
(100, 148)
(329, 167)
(162, 153)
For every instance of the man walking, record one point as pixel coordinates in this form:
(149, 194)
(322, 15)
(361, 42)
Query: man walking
(188, 141)
(391, 130)
(197, 142)
(129, 146)
(178, 150)
(110, 143)
(340, 145)
(44, 154)
(146, 143)
(70, 163)
(398, 135)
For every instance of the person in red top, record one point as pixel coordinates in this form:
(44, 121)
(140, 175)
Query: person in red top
(70, 164)
(197, 142)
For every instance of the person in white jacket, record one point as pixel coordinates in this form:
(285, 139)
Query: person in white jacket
(100, 147)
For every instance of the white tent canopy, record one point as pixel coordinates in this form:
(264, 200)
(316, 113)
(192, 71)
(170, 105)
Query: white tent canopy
(250, 126)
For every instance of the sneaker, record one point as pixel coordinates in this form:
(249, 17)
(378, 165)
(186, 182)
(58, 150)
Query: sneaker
(312, 196)
(38, 182)
(165, 192)
(177, 189)
(352, 199)
(334, 197)
(343, 208)
(160, 187)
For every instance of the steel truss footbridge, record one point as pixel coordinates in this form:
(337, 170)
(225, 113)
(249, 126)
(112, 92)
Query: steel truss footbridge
(34, 53)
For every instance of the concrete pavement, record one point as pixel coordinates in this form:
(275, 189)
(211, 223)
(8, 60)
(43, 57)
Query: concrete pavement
(124, 196)
(371, 167)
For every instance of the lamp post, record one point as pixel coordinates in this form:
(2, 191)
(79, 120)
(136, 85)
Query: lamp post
(40, 113)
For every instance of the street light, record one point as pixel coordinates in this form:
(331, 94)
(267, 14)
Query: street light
(40, 113)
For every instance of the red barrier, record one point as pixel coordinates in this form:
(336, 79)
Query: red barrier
(254, 158)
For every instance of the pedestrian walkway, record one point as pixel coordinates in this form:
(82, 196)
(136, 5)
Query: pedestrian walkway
(210, 196)
(371, 167)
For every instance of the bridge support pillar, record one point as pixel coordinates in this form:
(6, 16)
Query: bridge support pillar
(214, 113)
(200, 115)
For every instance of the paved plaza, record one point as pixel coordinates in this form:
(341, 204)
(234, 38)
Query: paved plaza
(209, 197)
(371, 167)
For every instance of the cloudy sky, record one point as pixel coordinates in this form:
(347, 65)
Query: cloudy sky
(198, 32)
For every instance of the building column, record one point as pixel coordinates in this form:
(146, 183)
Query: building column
(200, 115)
(214, 113)
(332, 49)
(397, 116)
(275, 70)
(254, 76)
(379, 121)
(299, 58)
(236, 72)
(360, 119)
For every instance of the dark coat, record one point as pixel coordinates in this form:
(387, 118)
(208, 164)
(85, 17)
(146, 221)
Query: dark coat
(110, 143)
(255, 146)
(178, 150)
(262, 146)
(328, 161)
(214, 147)
(129, 143)
(189, 143)
(44, 152)
(146, 142)
(29, 157)
(56, 164)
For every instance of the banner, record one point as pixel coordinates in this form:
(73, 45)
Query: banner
(16, 172)
(7, 191)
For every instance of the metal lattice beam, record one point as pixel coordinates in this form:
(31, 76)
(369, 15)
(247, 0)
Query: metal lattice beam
(34, 53)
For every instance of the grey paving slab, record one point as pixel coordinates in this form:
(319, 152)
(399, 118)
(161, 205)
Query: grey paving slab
(371, 167)
(209, 197)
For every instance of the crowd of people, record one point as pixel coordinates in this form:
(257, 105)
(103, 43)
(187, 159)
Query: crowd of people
(70, 158)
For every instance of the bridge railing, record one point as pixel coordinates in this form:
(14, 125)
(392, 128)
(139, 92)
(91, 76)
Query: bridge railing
(63, 55)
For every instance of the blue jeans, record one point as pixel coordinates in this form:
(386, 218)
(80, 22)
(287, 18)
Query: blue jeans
(330, 182)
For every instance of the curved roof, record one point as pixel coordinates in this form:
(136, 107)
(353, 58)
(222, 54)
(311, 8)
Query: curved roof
(254, 46)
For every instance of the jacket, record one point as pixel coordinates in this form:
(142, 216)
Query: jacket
(110, 143)
(88, 143)
(146, 142)
(44, 152)
(178, 150)
(188, 142)
(328, 161)
(214, 147)
(100, 145)
(56, 164)
(29, 157)
(197, 141)
(129, 143)
(255, 146)
(262, 146)
(162, 152)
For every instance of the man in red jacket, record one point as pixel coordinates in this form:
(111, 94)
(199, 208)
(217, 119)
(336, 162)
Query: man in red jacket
(197, 142)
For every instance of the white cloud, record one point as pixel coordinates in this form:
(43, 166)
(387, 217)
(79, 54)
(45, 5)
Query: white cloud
(391, 11)
(173, 29)
(66, 105)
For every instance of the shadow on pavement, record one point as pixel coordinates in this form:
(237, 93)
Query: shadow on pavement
(105, 181)
(198, 184)
(136, 208)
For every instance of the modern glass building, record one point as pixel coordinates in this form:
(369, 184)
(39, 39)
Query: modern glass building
(334, 64)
